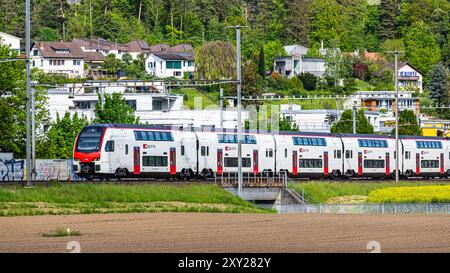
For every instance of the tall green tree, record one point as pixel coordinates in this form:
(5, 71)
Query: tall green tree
(12, 105)
(438, 84)
(345, 124)
(60, 138)
(113, 108)
(422, 50)
(407, 124)
(327, 22)
(389, 11)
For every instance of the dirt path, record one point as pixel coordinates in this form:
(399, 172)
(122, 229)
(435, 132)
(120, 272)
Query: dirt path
(186, 232)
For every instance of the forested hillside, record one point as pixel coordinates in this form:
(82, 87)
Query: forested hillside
(419, 26)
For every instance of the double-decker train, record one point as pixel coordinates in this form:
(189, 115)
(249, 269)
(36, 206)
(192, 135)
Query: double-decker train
(118, 150)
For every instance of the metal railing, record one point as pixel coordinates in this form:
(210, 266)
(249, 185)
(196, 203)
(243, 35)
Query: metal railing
(263, 179)
(382, 208)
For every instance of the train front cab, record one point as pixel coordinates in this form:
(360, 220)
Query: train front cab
(368, 156)
(309, 155)
(425, 157)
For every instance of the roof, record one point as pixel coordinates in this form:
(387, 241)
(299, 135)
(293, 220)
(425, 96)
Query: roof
(181, 48)
(94, 57)
(392, 66)
(138, 46)
(159, 47)
(9, 35)
(101, 44)
(175, 56)
(48, 50)
(290, 48)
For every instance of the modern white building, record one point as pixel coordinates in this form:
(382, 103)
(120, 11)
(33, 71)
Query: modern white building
(295, 62)
(170, 64)
(12, 41)
(151, 108)
(63, 58)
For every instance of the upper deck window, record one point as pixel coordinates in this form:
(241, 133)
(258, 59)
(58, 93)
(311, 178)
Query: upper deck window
(429, 144)
(373, 143)
(153, 136)
(309, 141)
(246, 139)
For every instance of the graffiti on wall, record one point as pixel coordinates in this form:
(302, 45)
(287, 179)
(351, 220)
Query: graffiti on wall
(12, 170)
(46, 169)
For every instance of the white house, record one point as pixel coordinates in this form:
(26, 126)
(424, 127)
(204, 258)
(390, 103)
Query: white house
(12, 41)
(409, 77)
(64, 58)
(296, 62)
(170, 64)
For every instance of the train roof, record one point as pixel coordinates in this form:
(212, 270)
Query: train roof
(246, 131)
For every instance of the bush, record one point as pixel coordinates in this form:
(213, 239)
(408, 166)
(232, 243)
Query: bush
(309, 81)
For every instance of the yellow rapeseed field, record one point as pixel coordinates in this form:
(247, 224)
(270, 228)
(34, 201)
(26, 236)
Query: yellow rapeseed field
(421, 194)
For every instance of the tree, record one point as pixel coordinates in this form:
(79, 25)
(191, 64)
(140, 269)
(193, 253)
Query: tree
(422, 50)
(61, 136)
(262, 64)
(12, 105)
(407, 124)
(47, 34)
(438, 84)
(389, 10)
(391, 45)
(114, 109)
(216, 61)
(112, 64)
(327, 22)
(308, 80)
(272, 50)
(345, 124)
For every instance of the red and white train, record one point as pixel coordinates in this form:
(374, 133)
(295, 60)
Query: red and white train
(117, 150)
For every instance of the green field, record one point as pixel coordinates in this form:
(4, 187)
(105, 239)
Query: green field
(190, 94)
(348, 192)
(107, 198)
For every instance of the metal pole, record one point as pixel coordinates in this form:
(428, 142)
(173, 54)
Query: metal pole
(397, 155)
(239, 121)
(354, 120)
(28, 89)
(33, 134)
(221, 107)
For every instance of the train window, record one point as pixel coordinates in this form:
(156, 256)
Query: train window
(372, 143)
(203, 151)
(310, 163)
(285, 153)
(430, 163)
(339, 153)
(109, 147)
(153, 136)
(348, 154)
(270, 152)
(246, 139)
(429, 144)
(126, 149)
(407, 155)
(233, 162)
(207, 151)
(309, 141)
(182, 149)
(374, 164)
(154, 161)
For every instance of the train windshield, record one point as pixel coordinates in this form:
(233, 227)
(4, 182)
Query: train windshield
(89, 140)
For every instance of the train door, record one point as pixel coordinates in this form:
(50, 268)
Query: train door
(441, 165)
(325, 163)
(255, 162)
(417, 164)
(388, 165)
(219, 161)
(360, 164)
(294, 163)
(137, 160)
(173, 161)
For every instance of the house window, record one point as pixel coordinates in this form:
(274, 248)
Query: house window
(150, 65)
(173, 65)
(157, 105)
(177, 73)
(76, 62)
(190, 63)
(35, 52)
